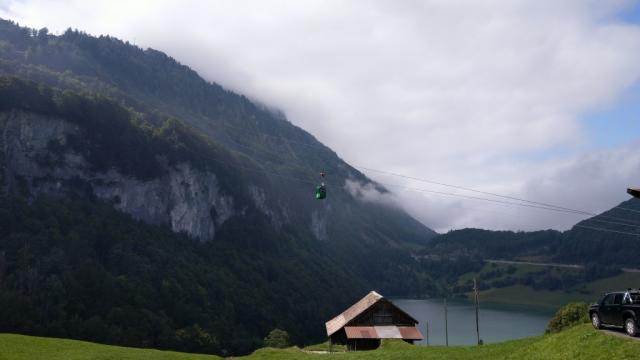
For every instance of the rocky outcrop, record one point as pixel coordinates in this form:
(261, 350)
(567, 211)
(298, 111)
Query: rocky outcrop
(259, 197)
(188, 199)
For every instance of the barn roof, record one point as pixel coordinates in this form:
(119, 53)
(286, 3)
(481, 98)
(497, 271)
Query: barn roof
(356, 309)
(383, 332)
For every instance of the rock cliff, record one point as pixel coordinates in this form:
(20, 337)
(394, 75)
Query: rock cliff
(37, 161)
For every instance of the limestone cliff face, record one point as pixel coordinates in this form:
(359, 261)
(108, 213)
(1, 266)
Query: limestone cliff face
(188, 199)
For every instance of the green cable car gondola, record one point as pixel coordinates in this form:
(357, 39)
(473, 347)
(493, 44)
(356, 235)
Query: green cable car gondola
(321, 190)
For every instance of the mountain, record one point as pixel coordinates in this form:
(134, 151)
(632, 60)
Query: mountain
(596, 248)
(609, 238)
(144, 206)
(612, 237)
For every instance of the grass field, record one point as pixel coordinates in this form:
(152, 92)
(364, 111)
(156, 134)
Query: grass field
(20, 347)
(581, 342)
(552, 300)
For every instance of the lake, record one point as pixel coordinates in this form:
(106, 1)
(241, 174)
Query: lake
(497, 322)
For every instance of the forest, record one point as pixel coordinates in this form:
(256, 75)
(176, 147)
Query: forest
(73, 266)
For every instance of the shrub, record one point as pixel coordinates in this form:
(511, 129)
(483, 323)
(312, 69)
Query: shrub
(277, 339)
(570, 315)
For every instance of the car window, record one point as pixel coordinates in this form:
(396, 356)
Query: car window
(618, 299)
(608, 300)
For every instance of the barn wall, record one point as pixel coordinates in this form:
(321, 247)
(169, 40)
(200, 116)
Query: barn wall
(382, 313)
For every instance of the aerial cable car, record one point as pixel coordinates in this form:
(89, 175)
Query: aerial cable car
(321, 190)
(634, 192)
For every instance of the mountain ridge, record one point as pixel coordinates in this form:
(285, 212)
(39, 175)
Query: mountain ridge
(116, 160)
(144, 206)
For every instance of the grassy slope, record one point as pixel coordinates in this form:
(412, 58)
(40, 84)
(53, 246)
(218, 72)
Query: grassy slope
(552, 300)
(581, 342)
(20, 347)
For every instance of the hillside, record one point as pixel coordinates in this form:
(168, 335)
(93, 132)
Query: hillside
(581, 342)
(601, 239)
(597, 250)
(144, 206)
(20, 347)
(618, 246)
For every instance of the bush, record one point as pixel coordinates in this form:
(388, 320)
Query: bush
(570, 315)
(277, 339)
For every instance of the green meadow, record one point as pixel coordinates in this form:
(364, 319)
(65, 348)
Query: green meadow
(580, 342)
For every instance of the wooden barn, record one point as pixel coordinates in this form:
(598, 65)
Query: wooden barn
(365, 323)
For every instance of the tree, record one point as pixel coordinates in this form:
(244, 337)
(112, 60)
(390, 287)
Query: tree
(568, 316)
(277, 339)
(42, 34)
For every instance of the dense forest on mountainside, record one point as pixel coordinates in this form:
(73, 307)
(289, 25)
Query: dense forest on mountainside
(603, 245)
(96, 133)
(617, 246)
(78, 268)
(611, 238)
(92, 247)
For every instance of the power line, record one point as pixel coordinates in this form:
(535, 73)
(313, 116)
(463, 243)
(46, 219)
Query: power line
(470, 197)
(538, 203)
(626, 209)
(520, 201)
(262, 171)
(275, 173)
(324, 148)
(474, 190)
(606, 230)
(530, 204)
(612, 222)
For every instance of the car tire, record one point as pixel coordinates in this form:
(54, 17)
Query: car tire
(630, 327)
(595, 321)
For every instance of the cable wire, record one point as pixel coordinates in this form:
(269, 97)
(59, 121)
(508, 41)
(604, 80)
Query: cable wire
(605, 230)
(519, 201)
(454, 195)
(324, 148)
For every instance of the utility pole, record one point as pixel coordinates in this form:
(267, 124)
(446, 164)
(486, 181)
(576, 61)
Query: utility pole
(427, 323)
(475, 291)
(446, 323)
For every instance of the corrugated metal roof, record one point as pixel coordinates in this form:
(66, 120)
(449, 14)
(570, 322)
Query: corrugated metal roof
(356, 309)
(383, 332)
(361, 332)
(388, 332)
(410, 333)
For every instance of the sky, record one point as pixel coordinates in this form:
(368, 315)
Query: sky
(532, 99)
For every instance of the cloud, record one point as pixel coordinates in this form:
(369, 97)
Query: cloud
(590, 182)
(464, 92)
(370, 192)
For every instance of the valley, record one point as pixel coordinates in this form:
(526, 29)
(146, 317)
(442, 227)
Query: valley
(142, 206)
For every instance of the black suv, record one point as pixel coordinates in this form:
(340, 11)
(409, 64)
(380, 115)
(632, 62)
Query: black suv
(617, 309)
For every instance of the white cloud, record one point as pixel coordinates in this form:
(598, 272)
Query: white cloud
(458, 91)
(370, 193)
(591, 182)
